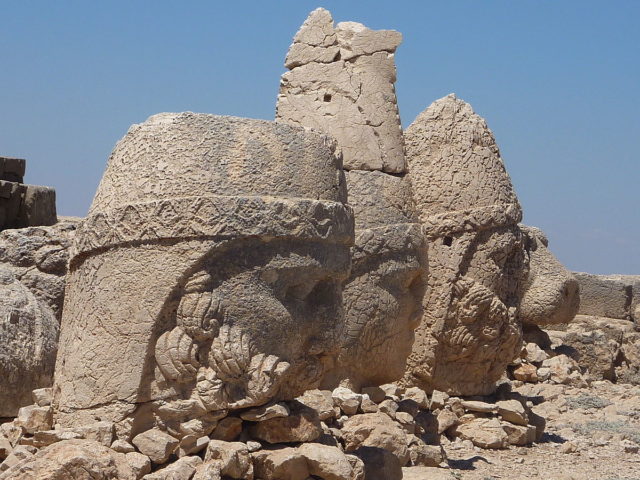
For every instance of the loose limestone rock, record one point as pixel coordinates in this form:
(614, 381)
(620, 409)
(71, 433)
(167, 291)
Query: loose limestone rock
(72, 459)
(375, 430)
(156, 444)
(341, 81)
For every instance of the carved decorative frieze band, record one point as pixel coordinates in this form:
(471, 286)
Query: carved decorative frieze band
(472, 220)
(220, 217)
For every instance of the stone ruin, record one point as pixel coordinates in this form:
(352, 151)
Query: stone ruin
(307, 298)
(23, 205)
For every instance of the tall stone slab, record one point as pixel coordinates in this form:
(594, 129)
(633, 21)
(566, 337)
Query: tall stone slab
(207, 275)
(341, 81)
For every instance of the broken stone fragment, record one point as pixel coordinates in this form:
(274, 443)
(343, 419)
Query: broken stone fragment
(417, 395)
(346, 400)
(513, 411)
(139, 463)
(33, 418)
(156, 444)
(280, 464)
(42, 397)
(301, 426)
(518, 434)
(122, 446)
(425, 455)
(341, 81)
(232, 458)
(379, 464)
(326, 462)
(320, 401)
(191, 444)
(71, 459)
(12, 169)
(526, 372)
(438, 399)
(477, 406)
(265, 412)
(375, 430)
(534, 354)
(376, 394)
(483, 432)
(181, 469)
(228, 429)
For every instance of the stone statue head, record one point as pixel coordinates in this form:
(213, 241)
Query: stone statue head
(477, 261)
(207, 275)
(552, 293)
(383, 296)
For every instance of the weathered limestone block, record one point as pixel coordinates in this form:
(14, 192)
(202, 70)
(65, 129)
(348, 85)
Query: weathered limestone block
(383, 296)
(38, 206)
(207, 275)
(71, 459)
(28, 343)
(375, 430)
(12, 169)
(551, 292)
(487, 274)
(341, 81)
(612, 296)
(469, 211)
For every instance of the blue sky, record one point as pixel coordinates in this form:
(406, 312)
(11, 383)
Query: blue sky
(557, 81)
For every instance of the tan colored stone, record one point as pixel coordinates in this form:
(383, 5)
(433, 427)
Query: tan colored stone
(438, 399)
(326, 462)
(526, 373)
(191, 444)
(302, 425)
(376, 394)
(477, 406)
(180, 189)
(483, 432)
(512, 411)
(552, 293)
(228, 429)
(41, 397)
(33, 418)
(417, 395)
(139, 463)
(518, 434)
(425, 455)
(320, 401)
(344, 85)
(367, 405)
(232, 457)
(122, 446)
(181, 469)
(446, 420)
(265, 412)
(379, 464)
(375, 430)
(5, 447)
(347, 400)
(71, 459)
(155, 444)
(280, 464)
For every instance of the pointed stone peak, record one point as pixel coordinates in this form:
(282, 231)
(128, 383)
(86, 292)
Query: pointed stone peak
(455, 164)
(317, 30)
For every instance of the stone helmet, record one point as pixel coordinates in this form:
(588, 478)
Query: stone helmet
(179, 188)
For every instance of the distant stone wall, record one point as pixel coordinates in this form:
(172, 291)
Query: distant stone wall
(23, 205)
(612, 296)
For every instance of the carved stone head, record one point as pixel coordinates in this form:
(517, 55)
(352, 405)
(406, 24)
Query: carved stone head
(383, 296)
(207, 275)
(477, 261)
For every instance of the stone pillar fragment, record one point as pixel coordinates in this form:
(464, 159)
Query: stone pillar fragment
(341, 81)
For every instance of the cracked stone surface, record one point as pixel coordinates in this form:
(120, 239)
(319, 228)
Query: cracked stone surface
(341, 81)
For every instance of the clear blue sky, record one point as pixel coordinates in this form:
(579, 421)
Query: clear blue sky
(557, 81)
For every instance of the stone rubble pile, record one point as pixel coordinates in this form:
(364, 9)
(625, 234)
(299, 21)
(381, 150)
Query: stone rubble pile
(331, 435)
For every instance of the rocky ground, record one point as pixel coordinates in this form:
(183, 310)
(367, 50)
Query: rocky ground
(592, 432)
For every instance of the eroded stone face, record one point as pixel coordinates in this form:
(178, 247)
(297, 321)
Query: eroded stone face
(477, 263)
(206, 276)
(552, 293)
(383, 296)
(341, 81)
